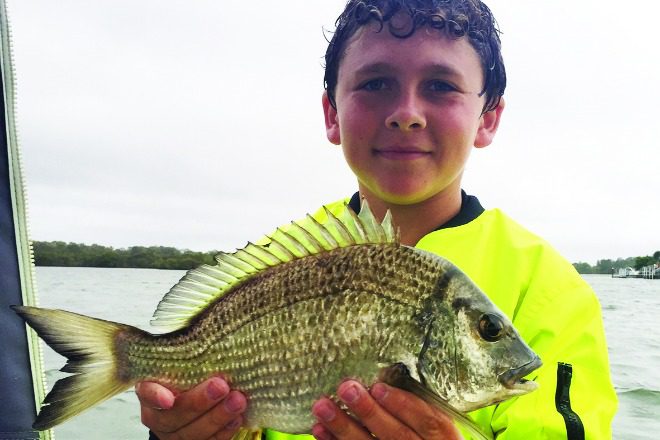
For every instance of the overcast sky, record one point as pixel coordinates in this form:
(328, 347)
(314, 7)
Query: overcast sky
(198, 124)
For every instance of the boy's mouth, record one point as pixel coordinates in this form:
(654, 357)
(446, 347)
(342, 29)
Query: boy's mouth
(401, 153)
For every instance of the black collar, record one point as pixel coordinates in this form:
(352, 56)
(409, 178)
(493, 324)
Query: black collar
(470, 210)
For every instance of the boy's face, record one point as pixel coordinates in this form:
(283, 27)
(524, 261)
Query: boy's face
(408, 113)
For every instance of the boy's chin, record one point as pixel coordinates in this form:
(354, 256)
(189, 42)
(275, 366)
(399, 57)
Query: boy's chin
(403, 198)
(409, 190)
(421, 194)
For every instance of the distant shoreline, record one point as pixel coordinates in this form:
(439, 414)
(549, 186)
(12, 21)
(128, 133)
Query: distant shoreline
(609, 266)
(59, 253)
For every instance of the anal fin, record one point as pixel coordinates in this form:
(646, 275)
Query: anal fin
(248, 434)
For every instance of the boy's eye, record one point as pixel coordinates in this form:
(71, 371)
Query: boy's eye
(374, 85)
(441, 86)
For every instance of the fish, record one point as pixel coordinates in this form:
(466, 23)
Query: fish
(288, 319)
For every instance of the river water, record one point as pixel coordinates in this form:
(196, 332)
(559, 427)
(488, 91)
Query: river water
(630, 311)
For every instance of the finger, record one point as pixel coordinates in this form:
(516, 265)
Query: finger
(220, 422)
(320, 432)
(229, 431)
(336, 423)
(187, 406)
(374, 417)
(154, 395)
(426, 420)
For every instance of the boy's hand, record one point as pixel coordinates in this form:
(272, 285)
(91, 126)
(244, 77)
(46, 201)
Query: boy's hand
(209, 410)
(387, 412)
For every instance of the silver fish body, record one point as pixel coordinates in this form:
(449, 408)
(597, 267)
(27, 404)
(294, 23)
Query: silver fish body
(289, 332)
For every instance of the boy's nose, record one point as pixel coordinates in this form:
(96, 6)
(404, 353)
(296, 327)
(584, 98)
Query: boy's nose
(406, 115)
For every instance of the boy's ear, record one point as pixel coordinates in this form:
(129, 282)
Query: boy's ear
(488, 126)
(331, 121)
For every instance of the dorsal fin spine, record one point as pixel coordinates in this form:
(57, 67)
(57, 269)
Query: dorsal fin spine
(234, 265)
(250, 259)
(295, 244)
(201, 275)
(344, 236)
(260, 252)
(226, 265)
(277, 245)
(388, 228)
(374, 229)
(223, 275)
(201, 289)
(312, 244)
(183, 302)
(330, 241)
(357, 224)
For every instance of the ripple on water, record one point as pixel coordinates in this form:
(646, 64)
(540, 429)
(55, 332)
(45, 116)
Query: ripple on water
(640, 403)
(637, 414)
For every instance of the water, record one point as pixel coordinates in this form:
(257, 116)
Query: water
(126, 295)
(630, 309)
(630, 313)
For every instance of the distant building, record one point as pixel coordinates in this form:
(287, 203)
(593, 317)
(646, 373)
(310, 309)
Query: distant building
(626, 272)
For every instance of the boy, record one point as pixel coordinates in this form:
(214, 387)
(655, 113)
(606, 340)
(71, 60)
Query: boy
(411, 87)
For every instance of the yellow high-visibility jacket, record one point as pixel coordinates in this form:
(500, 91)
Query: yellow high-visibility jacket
(555, 311)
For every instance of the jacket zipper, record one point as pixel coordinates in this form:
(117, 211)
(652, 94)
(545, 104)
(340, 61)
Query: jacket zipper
(574, 427)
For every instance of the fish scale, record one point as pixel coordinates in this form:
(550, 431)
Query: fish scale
(341, 317)
(293, 286)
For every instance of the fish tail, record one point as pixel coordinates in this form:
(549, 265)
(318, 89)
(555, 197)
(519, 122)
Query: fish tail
(94, 352)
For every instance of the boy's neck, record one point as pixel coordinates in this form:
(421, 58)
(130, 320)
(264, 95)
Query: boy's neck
(416, 220)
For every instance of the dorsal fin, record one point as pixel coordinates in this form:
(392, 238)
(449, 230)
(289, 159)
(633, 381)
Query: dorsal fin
(202, 286)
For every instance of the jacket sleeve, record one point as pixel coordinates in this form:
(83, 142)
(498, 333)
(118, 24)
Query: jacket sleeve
(560, 318)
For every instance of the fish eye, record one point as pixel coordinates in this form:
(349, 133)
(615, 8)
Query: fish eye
(491, 327)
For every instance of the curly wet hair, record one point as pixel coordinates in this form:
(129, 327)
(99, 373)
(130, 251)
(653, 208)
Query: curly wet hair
(457, 18)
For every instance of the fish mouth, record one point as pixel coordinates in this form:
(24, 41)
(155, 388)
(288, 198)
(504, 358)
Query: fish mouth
(513, 378)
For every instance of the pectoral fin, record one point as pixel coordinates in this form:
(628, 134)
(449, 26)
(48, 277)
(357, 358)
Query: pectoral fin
(398, 376)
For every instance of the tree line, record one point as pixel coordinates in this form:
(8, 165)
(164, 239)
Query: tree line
(606, 266)
(59, 253)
